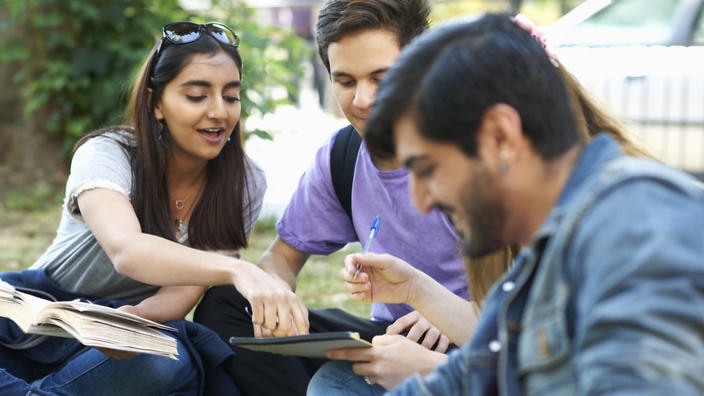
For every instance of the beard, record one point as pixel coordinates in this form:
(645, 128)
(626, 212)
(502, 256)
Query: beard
(485, 218)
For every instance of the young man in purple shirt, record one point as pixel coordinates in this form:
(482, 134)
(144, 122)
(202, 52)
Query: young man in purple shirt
(358, 40)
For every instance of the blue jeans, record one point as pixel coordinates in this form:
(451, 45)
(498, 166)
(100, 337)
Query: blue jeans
(337, 378)
(91, 372)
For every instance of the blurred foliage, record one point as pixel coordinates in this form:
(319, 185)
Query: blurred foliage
(40, 195)
(78, 58)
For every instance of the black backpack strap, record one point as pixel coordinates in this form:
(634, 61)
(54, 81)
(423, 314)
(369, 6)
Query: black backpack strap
(343, 158)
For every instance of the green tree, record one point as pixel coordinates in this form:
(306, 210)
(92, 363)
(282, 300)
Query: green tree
(73, 60)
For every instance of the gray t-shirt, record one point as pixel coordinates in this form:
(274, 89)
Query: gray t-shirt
(75, 260)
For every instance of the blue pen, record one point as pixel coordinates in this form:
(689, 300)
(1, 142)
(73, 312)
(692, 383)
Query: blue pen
(368, 244)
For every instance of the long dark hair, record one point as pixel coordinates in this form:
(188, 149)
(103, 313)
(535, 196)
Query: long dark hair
(218, 218)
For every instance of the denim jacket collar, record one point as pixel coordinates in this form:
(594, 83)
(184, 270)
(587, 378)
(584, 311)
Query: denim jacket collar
(598, 152)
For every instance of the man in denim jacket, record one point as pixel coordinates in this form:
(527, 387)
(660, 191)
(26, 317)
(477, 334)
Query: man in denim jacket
(607, 295)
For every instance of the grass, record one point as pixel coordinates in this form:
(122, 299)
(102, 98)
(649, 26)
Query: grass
(24, 234)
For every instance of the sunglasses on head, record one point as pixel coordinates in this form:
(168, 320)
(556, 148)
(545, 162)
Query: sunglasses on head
(187, 32)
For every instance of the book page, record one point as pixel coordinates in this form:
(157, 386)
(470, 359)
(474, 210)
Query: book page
(18, 306)
(91, 324)
(105, 314)
(113, 334)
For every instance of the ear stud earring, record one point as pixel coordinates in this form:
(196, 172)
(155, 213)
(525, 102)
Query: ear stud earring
(503, 167)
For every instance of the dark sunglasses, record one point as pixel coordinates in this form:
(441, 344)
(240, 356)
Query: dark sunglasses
(187, 32)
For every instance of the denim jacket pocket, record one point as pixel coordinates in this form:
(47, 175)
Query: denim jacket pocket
(544, 344)
(544, 352)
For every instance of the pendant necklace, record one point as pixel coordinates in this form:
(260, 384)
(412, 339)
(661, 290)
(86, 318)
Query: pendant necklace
(178, 221)
(180, 204)
(179, 225)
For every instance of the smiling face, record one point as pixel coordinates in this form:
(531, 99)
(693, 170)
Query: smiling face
(357, 64)
(201, 106)
(443, 177)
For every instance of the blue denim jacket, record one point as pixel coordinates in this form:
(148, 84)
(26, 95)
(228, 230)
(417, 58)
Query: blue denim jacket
(607, 299)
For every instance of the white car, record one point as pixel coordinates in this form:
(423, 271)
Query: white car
(645, 60)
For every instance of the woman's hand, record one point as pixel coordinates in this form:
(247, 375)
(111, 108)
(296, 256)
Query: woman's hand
(275, 308)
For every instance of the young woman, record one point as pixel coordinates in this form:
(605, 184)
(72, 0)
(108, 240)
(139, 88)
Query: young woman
(155, 211)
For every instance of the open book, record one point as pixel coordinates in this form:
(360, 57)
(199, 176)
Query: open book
(91, 324)
(309, 345)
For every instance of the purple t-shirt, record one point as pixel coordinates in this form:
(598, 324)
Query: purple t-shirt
(314, 222)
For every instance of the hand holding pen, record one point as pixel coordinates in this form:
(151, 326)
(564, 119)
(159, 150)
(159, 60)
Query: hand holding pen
(372, 233)
(389, 279)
